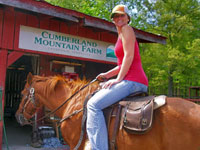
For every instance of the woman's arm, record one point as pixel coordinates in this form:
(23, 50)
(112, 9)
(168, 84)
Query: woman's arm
(128, 40)
(111, 73)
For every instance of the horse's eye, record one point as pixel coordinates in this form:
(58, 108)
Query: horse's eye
(22, 95)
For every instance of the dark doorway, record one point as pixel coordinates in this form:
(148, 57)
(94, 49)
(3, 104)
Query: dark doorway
(15, 80)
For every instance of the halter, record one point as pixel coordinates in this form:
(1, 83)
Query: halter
(30, 97)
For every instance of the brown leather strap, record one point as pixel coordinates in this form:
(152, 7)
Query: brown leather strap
(84, 118)
(115, 130)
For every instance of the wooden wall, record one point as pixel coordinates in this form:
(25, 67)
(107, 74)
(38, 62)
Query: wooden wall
(11, 19)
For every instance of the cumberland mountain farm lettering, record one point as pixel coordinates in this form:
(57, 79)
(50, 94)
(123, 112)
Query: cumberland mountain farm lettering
(70, 43)
(51, 42)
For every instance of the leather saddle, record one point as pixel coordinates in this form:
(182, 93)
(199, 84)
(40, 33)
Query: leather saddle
(137, 113)
(134, 113)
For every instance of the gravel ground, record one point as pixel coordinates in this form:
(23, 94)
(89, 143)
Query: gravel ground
(31, 148)
(19, 138)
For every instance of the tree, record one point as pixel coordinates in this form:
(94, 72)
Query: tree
(178, 21)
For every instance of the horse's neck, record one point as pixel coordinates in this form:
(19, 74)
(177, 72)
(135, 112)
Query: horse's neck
(55, 100)
(78, 100)
(63, 93)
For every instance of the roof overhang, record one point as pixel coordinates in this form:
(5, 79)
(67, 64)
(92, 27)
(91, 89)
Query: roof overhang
(43, 7)
(144, 37)
(36, 8)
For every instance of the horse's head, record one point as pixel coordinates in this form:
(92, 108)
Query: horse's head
(42, 91)
(29, 103)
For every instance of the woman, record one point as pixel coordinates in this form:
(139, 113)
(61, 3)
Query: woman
(130, 78)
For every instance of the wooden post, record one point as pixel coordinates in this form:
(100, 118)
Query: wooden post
(12, 57)
(3, 66)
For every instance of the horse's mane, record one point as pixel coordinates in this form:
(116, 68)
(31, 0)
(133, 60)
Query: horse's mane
(50, 83)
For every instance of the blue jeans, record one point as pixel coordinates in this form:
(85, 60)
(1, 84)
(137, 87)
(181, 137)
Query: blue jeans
(96, 126)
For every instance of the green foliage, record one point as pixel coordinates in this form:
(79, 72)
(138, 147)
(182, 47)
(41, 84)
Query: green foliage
(178, 20)
(96, 8)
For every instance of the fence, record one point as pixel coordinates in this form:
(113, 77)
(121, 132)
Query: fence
(187, 92)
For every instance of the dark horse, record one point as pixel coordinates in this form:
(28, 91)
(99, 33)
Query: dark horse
(176, 126)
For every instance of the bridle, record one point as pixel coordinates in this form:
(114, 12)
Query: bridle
(30, 97)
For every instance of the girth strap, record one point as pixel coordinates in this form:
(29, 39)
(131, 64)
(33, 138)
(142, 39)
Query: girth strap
(115, 130)
(83, 123)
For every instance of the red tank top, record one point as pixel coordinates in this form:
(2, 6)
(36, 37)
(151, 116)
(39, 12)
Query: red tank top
(135, 72)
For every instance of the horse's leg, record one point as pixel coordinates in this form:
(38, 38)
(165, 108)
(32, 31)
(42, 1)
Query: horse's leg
(71, 134)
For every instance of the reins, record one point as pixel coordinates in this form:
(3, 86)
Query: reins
(69, 116)
(52, 112)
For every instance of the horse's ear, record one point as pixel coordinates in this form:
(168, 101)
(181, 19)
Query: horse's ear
(29, 78)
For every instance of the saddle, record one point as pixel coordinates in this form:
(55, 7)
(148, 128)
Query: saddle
(137, 113)
(134, 113)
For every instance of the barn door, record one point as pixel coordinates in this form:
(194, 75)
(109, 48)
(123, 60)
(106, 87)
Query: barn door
(14, 85)
(15, 80)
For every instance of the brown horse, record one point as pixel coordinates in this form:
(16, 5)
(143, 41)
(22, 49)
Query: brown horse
(176, 125)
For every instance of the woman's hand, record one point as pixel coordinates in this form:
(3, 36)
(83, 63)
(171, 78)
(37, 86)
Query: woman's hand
(110, 83)
(101, 77)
